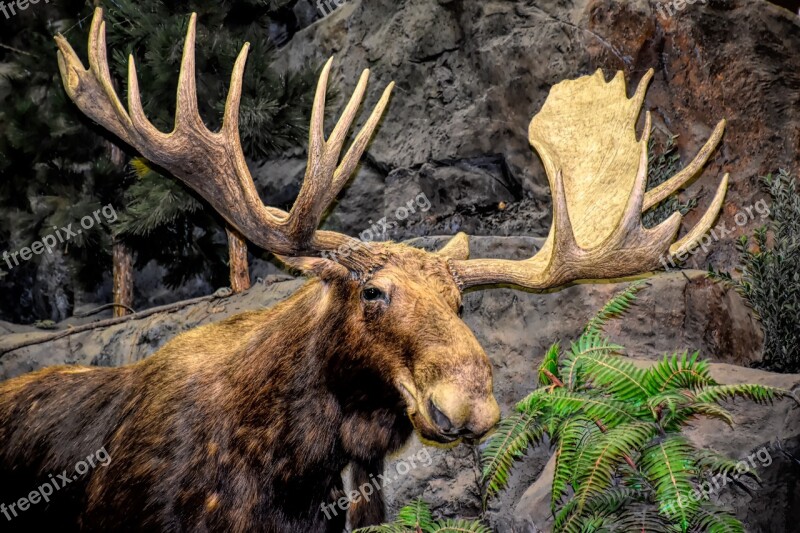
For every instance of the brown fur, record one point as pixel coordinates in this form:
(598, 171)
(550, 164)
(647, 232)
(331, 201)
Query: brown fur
(246, 424)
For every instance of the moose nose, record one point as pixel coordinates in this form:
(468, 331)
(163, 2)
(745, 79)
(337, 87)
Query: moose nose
(439, 418)
(476, 419)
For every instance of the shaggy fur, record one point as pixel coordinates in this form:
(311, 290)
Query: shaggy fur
(246, 425)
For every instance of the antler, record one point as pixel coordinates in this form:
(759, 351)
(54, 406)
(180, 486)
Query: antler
(586, 137)
(213, 164)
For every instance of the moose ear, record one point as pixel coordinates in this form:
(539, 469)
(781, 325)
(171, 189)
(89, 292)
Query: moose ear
(456, 248)
(320, 267)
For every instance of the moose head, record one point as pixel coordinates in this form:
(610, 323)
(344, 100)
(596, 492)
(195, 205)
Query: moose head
(401, 303)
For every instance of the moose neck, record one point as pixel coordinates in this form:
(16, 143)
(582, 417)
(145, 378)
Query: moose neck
(306, 365)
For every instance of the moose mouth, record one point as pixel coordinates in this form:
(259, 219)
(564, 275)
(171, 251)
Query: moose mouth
(421, 414)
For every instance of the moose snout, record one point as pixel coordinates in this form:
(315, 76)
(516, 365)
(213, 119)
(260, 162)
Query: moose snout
(456, 414)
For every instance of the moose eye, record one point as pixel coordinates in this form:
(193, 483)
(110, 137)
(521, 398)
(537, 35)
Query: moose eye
(372, 294)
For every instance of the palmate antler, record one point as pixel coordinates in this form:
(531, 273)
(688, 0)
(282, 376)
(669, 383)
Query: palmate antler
(213, 164)
(586, 137)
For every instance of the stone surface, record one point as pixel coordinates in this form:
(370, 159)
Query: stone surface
(471, 74)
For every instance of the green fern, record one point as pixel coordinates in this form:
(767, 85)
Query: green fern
(570, 440)
(622, 462)
(512, 438)
(615, 307)
(589, 344)
(713, 463)
(416, 517)
(678, 372)
(670, 467)
(549, 365)
(595, 472)
(756, 393)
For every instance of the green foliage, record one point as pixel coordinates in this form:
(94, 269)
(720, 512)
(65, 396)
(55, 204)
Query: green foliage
(615, 307)
(662, 165)
(272, 117)
(622, 462)
(770, 274)
(55, 164)
(416, 517)
(519, 432)
(153, 202)
(52, 172)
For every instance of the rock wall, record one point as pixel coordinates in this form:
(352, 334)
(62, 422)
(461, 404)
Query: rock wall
(471, 74)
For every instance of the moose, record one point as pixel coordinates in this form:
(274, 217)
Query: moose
(247, 424)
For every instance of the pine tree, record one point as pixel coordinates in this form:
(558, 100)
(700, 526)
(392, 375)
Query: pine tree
(51, 172)
(272, 112)
(55, 166)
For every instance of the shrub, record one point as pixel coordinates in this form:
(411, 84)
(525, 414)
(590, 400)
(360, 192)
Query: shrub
(770, 274)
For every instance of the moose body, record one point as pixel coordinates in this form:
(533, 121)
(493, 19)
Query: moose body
(243, 425)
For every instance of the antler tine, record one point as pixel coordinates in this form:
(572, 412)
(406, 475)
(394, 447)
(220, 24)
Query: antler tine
(143, 130)
(598, 193)
(689, 240)
(353, 155)
(83, 88)
(666, 189)
(98, 62)
(325, 176)
(186, 112)
(230, 121)
(213, 164)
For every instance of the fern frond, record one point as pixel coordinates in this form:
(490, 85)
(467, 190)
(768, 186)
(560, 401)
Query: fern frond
(564, 403)
(615, 307)
(549, 364)
(678, 372)
(601, 512)
(416, 515)
(570, 438)
(588, 345)
(669, 466)
(615, 375)
(570, 520)
(754, 392)
(707, 409)
(593, 474)
(669, 401)
(567, 517)
(612, 500)
(712, 520)
(509, 442)
(712, 462)
(533, 402)
(459, 526)
(642, 518)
